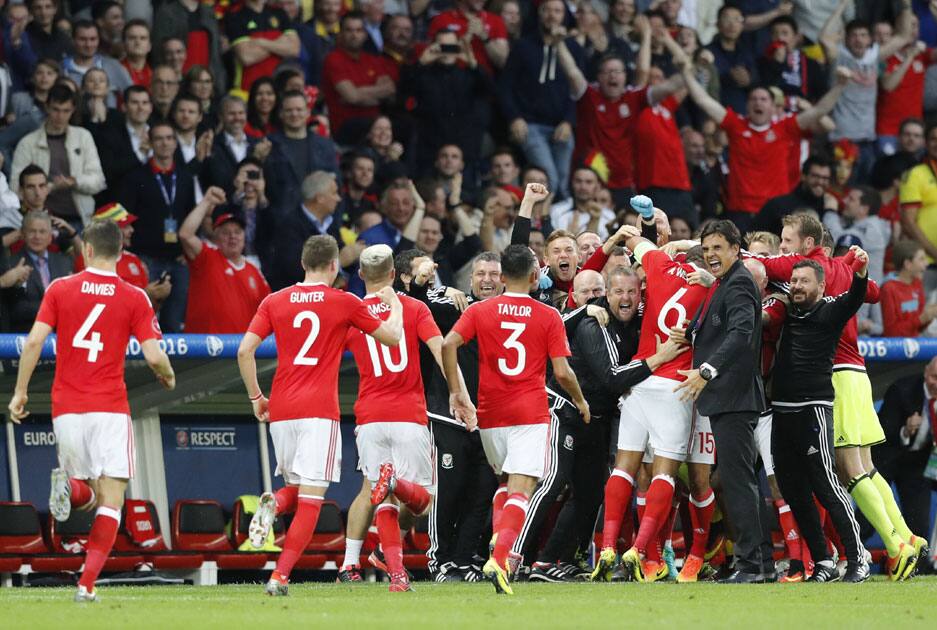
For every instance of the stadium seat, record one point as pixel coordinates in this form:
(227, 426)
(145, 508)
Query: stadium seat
(19, 534)
(328, 541)
(159, 555)
(78, 528)
(416, 544)
(199, 525)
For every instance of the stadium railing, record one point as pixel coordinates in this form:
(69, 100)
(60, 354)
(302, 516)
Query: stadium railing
(200, 441)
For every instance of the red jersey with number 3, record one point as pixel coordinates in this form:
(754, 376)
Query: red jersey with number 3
(516, 335)
(668, 300)
(391, 385)
(310, 323)
(94, 313)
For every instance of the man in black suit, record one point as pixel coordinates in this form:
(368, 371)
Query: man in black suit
(230, 147)
(124, 146)
(726, 383)
(908, 416)
(24, 299)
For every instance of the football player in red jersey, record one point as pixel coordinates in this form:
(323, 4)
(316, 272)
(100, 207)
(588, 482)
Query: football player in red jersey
(394, 443)
(516, 335)
(94, 313)
(653, 413)
(310, 321)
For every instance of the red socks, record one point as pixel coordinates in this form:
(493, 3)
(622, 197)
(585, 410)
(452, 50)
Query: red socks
(497, 506)
(788, 529)
(413, 495)
(701, 516)
(81, 492)
(388, 530)
(300, 532)
(659, 498)
(618, 490)
(100, 541)
(286, 499)
(666, 530)
(509, 526)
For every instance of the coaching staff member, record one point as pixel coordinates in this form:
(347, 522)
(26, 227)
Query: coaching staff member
(802, 431)
(909, 417)
(726, 383)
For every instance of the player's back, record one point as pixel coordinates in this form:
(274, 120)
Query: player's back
(390, 388)
(310, 323)
(668, 300)
(516, 336)
(94, 313)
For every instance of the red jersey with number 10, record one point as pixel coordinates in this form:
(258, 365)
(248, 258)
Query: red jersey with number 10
(516, 335)
(668, 300)
(391, 385)
(94, 313)
(310, 323)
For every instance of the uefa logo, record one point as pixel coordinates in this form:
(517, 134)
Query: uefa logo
(182, 438)
(214, 345)
(911, 347)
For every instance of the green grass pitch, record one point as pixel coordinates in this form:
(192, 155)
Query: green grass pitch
(876, 604)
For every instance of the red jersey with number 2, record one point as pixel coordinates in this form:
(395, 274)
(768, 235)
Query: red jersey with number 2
(668, 300)
(516, 335)
(310, 323)
(391, 385)
(94, 313)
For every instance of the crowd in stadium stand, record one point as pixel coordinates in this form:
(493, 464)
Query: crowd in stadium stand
(417, 123)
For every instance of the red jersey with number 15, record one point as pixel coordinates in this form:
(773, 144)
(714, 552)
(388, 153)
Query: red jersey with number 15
(94, 313)
(516, 335)
(310, 323)
(391, 385)
(668, 300)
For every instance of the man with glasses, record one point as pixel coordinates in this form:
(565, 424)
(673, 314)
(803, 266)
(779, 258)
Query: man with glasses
(814, 181)
(165, 88)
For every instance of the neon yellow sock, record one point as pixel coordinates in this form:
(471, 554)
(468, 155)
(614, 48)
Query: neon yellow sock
(894, 513)
(869, 500)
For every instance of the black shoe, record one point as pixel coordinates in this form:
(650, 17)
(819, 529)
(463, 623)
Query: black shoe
(470, 574)
(550, 573)
(582, 565)
(447, 572)
(769, 577)
(350, 573)
(620, 574)
(742, 577)
(824, 571)
(856, 573)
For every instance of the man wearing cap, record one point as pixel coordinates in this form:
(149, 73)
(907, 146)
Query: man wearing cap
(225, 288)
(129, 266)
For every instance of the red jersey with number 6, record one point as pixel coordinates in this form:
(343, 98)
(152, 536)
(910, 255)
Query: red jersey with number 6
(668, 300)
(94, 313)
(310, 323)
(391, 385)
(516, 335)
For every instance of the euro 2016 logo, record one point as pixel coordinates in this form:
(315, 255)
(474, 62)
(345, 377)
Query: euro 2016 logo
(911, 348)
(213, 345)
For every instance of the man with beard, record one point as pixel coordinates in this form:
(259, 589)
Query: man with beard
(601, 358)
(803, 406)
(814, 181)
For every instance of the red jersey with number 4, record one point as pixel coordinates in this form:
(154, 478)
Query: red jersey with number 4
(310, 323)
(516, 335)
(391, 385)
(668, 301)
(94, 313)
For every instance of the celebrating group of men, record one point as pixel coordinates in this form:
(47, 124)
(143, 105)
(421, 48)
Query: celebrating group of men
(673, 338)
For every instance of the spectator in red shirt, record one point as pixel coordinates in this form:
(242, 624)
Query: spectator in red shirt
(904, 309)
(195, 24)
(137, 46)
(225, 288)
(759, 143)
(607, 111)
(261, 37)
(901, 88)
(488, 33)
(354, 82)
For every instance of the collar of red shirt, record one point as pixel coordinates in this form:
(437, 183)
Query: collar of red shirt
(161, 171)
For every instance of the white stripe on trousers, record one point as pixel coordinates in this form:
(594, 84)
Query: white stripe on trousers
(838, 490)
(432, 527)
(548, 478)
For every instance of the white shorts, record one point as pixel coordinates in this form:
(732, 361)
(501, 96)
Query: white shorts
(407, 445)
(763, 441)
(653, 412)
(703, 449)
(517, 450)
(308, 451)
(91, 445)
